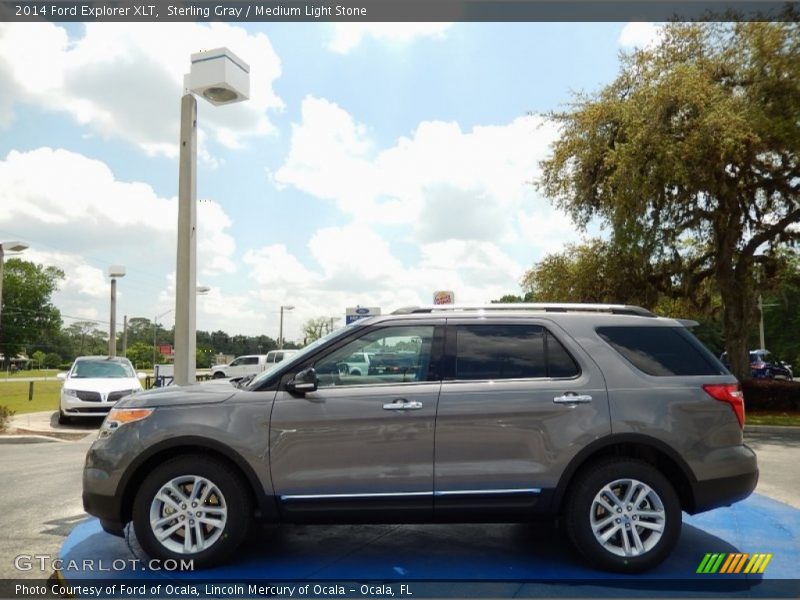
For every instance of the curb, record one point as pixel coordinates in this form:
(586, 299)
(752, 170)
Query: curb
(772, 429)
(29, 439)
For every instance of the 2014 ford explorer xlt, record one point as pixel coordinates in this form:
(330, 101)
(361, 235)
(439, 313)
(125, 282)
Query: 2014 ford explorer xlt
(608, 416)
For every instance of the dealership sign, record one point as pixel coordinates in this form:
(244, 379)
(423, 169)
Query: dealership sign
(360, 312)
(444, 297)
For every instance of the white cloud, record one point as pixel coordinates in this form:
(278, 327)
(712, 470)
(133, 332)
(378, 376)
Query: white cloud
(76, 215)
(445, 183)
(640, 35)
(125, 80)
(353, 265)
(347, 36)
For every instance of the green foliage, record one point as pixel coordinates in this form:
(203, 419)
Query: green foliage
(28, 316)
(205, 357)
(38, 357)
(691, 157)
(5, 416)
(52, 360)
(316, 328)
(141, 355)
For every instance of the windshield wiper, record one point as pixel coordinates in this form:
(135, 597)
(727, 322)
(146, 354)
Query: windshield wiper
(241, 383)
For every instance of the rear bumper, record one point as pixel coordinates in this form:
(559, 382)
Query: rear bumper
(713, 493)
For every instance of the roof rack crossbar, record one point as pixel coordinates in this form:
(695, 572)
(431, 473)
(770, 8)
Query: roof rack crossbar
(616, 309)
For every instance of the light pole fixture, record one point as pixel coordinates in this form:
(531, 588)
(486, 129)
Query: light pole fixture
(8, 247)
(220, 77)
(280, 332)
(115, 272)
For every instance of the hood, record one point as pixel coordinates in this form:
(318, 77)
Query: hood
(202, 393)
(103, 385)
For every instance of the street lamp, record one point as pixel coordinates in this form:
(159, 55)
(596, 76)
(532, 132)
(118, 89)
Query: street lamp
(8, 247)
(280, 333)
(220, 77)
(114, 272)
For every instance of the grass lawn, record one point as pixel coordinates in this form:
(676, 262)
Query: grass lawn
(763, 418)
(28, 374)
(14, 395)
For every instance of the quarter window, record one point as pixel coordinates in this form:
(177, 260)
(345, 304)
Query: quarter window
(662, 351)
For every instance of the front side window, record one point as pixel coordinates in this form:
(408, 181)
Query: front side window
(352, 364)
(491, 352)
(250, 360)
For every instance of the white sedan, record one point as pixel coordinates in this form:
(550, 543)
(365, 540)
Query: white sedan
(94, 384)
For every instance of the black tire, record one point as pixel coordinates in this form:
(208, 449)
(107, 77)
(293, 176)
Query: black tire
(620, 473)
(63, 419)
(230, 495)
(218, 375)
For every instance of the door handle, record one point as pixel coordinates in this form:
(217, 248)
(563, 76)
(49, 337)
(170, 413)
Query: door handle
(572, 398)
(402, 404)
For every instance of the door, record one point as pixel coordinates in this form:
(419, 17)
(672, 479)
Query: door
(519, 400)
(360, 447)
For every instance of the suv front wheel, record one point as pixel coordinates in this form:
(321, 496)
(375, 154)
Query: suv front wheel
(623, 515)
(192, 508)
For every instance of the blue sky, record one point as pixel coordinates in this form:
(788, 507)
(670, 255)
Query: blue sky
(373, 164)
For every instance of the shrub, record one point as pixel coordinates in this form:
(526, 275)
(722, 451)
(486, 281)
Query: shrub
(5, 416)
(771, 395)
(64, 366)
(52, 360)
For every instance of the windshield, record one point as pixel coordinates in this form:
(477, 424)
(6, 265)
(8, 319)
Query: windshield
(298, 356)
(104, 369)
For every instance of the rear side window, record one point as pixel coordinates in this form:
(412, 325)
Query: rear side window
(510, 352)
(662, 351)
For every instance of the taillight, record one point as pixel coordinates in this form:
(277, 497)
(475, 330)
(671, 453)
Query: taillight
(730, 393)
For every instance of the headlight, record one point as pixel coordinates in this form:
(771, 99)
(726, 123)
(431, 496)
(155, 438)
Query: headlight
(73, 393)
(120, 416)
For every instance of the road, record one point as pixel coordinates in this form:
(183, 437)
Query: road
(41, 491)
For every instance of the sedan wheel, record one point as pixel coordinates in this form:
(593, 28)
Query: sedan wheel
(191, 507)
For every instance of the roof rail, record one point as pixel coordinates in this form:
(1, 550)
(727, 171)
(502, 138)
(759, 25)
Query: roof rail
(615, 309)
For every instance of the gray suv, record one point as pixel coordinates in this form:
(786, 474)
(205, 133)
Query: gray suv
(606, 416)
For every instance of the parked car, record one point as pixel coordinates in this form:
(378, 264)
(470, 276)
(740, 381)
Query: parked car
(605, 417)
(763, 365)
(241, 366)
(93, 385)
(276, 356)
(356, 364)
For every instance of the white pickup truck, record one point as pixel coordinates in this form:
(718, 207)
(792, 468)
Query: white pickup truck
(249, 364)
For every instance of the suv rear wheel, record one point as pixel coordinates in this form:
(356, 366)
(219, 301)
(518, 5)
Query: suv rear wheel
(193, 508)
(623, 515)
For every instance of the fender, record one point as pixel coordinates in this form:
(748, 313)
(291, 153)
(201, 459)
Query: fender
(597, 447)
(266, 504)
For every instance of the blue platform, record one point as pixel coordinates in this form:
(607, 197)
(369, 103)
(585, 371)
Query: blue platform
(470, 560)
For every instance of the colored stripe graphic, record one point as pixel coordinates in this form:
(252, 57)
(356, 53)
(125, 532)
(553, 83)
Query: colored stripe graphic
(734, 562)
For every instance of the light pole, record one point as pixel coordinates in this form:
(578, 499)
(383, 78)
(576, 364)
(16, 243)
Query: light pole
(280, 332)
(114, 271)
(220, 77)
(10, 247)
(761, 307)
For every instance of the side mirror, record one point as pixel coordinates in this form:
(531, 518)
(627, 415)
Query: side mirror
(141, 375)
(61, 376)
(304, 381)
